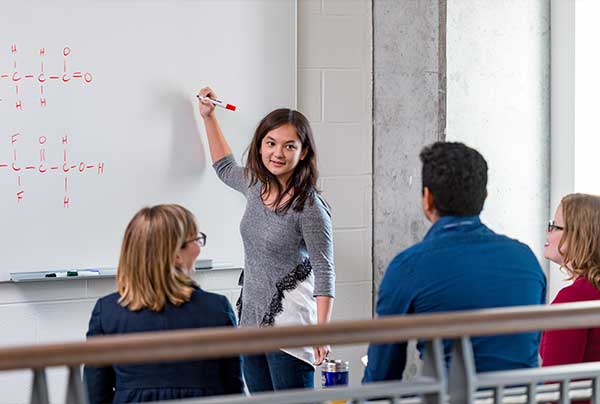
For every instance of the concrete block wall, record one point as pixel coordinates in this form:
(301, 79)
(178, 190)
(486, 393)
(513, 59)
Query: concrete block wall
(334, 91)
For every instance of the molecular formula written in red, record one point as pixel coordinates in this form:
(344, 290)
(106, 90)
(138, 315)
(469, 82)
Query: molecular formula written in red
(43, 77)
(59, 163)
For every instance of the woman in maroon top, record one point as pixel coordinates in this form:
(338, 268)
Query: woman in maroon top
(573, 242)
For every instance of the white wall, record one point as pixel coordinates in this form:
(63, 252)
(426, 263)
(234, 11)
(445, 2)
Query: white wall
(498, 94)
(334, 87)
(334, 91)
(587, 87)
(575, 85)
(562, 153)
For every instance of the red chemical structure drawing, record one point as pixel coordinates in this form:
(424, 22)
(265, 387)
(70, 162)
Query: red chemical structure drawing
(63, 165)
(41, 77)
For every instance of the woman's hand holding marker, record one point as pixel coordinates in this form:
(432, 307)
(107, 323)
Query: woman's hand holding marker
(217, 143)
(209, 99)
(206, 107)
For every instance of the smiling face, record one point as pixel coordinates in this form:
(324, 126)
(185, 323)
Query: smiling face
(553, 237)
(281, 150)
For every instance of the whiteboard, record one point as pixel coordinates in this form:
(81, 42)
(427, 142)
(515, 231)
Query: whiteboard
(98, 118)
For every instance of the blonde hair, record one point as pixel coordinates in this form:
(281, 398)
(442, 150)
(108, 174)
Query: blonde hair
(581, 236)
(146, 275)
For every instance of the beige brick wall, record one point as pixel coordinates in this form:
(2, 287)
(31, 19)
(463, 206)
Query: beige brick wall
(334, 91)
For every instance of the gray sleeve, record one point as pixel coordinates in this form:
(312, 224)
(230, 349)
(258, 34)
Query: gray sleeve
(231, 173)
(315, 224)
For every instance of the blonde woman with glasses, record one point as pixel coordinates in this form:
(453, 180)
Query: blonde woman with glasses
(154, 293)
(573, 242)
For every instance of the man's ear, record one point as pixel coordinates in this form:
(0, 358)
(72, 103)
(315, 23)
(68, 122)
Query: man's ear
(429, 205)
(427, 200)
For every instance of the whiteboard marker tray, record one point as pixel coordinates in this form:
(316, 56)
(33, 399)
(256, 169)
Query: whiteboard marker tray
(98, 273)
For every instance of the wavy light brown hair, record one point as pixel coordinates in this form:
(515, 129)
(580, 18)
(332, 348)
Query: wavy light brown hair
(303, 181)
(580, 241)
(146, 275)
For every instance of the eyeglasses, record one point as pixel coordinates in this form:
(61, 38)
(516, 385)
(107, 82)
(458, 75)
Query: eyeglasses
(201, 240)
(552, 227)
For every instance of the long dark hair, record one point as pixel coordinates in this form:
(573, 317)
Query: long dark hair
(303, 181)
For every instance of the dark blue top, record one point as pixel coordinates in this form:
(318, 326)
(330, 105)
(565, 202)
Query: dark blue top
(461, 265)
(162, 381)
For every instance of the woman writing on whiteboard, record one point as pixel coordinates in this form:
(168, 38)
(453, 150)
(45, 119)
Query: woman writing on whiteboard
(286, 230)
(155, 292)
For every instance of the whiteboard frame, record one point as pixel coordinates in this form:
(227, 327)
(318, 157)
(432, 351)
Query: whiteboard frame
(40, 276)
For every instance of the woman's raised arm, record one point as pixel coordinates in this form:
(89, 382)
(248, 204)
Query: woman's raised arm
(217, 143)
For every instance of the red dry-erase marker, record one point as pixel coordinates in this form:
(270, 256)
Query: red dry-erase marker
(218, 103)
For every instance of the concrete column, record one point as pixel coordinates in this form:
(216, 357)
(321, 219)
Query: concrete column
(409, 113)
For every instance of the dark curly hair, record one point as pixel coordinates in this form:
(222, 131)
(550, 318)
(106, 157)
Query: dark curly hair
(456, 175)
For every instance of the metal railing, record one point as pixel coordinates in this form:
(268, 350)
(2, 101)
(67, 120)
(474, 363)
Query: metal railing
(461, 385)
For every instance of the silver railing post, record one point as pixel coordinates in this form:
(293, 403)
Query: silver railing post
(499, 394)
(531, 390)
(433, 366)
(461, 376)
(564, 392)
(75, 391)
(39, 387)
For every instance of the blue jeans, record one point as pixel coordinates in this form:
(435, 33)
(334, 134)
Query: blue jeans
(276, 371)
